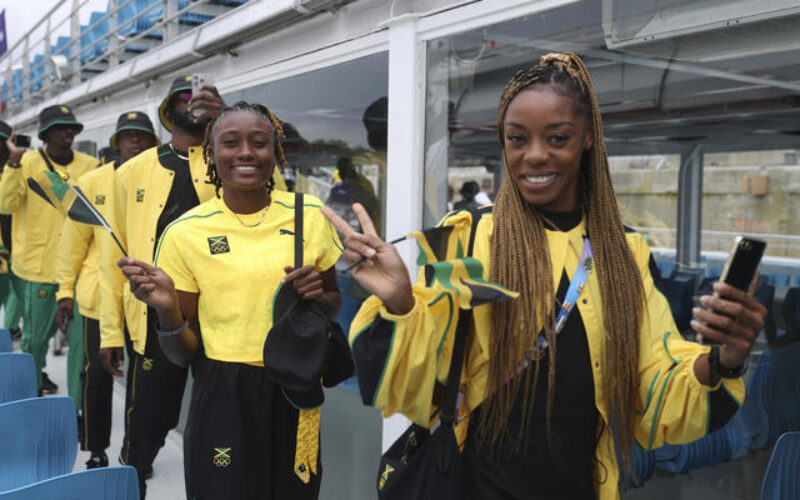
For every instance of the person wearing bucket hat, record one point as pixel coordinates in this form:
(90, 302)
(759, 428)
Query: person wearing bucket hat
(230, 276)
(134, 134)
(36, 226)
(77, 273)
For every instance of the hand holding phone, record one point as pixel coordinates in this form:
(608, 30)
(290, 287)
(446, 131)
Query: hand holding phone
(742, 266)
(732, 316)
(22, 141)
(200, 80)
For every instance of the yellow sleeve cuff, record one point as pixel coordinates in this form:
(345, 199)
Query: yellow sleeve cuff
(67, 293)
(385, 314)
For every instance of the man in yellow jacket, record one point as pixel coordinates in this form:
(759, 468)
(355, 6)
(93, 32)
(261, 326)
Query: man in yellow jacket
(36, 227)
(79, 259)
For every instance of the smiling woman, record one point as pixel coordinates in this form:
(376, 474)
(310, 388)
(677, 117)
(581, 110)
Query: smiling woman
(555, 385)
(220, 269)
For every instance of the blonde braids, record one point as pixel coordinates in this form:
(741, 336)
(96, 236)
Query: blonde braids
(520, 261)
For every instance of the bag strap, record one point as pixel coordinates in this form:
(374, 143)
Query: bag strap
(447, 411)
(46, 160)
(298, 230)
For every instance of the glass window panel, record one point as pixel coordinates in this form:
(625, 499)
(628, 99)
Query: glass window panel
(671, 81)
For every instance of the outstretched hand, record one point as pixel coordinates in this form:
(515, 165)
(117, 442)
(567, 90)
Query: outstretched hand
(149, 284)
(383, 272)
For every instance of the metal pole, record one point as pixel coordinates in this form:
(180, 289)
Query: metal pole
(171, 26)
(75, 45)
(26, 73)
(113, 40)
(690, 208)
(47, 53)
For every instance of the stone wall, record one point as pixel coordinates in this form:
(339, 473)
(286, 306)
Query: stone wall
(648, 198)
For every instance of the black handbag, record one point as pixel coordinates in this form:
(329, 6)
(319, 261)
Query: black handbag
(427, 465)
(421, 464)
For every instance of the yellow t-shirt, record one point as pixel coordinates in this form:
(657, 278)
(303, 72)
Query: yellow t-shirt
(236, 270)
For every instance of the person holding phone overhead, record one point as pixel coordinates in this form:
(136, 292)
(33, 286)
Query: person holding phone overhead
(223, 272)
(559, 384)
(36, 226)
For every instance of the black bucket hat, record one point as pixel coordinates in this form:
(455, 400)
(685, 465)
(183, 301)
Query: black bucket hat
(181, 84)
(5, 130)
(57, 115)
(134, 120)
(304, 350)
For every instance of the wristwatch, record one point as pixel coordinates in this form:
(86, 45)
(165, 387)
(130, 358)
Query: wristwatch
(718, 372)
(13, 165)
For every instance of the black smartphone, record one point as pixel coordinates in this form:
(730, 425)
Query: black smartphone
(742, 264)
(741, 267)
(22, 141)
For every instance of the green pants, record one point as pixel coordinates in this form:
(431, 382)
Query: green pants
(75, 358)
(13, 306)
(39, 319)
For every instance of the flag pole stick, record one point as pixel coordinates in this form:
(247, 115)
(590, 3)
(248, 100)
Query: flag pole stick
(362, 259)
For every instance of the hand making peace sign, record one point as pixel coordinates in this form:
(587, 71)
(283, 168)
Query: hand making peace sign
(383, 272)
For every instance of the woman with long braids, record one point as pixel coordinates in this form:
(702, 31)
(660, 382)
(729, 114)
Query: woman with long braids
(560, 384)
(217, 271)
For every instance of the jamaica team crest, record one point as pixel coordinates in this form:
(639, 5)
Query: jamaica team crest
(222, 458)
(218, 244)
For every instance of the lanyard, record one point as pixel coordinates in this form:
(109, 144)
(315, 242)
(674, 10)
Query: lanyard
(576, 286)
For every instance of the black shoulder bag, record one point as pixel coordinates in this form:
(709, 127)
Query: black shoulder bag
(425, 465)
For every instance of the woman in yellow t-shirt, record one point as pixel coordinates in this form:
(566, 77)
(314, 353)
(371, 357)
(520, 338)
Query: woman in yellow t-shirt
(218, 270)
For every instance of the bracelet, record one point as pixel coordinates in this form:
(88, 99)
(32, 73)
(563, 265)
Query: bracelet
(13, 165)
(718, 372)
(170, 333)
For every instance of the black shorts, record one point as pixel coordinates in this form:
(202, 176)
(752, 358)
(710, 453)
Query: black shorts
(240, 437)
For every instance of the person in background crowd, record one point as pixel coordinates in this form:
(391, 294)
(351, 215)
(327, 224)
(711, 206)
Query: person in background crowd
(559, 384)
(482, 198)
(36, 227)
(263, 440)
(7, 298)
(468, 191)
(79, 259)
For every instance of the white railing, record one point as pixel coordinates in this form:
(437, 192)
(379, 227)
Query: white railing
(107, 42)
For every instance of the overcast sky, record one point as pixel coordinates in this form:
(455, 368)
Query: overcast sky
(22, 15)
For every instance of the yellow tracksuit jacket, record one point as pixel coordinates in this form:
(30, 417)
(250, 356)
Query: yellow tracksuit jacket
(36, 225)
(79, 249)
(141, 190)
(674, 406)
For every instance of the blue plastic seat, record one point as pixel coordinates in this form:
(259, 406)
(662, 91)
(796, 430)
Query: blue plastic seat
(679, 290)
(141, 23)
(5, 341)
(40, 440)
(791, 315)
(17, 376)
(644, 464)
(753, 414)
(107, 483)
(781, 480)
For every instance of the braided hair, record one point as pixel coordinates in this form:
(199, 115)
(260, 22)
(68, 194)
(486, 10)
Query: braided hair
(520, 261)
(262, 112)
